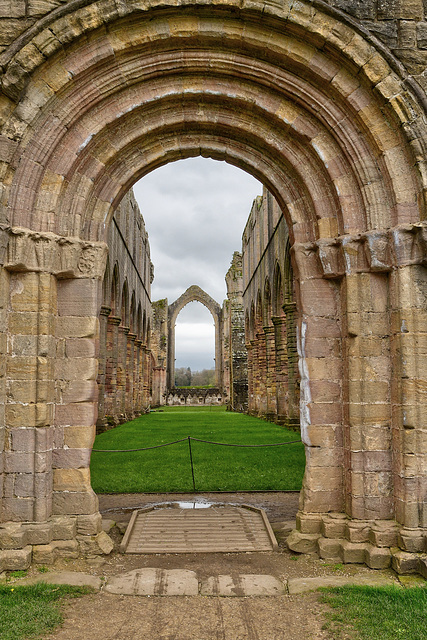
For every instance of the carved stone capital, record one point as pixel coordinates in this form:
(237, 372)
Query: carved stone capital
(409, 244)
(374, 251)
(105, 311)
(307, 260)
(331, 257)
(378, 250)
(25, 250)
(354, 254)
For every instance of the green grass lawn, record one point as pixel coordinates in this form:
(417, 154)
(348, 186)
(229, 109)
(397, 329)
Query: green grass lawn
(32, 611)
(377, 613)
(216, 468)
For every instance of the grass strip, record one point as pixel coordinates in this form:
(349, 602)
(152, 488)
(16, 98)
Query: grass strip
(33, 610)
(377, 613)
(216, 468)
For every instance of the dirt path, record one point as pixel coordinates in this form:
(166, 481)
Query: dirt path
(103, 616)
(107, 617)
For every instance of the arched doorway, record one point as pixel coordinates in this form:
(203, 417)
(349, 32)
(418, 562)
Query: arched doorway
(194, 293)
(311, 106)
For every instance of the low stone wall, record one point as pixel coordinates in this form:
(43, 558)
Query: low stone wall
(195, 397)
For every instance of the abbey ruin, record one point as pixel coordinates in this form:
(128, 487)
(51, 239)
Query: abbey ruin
(324, 101)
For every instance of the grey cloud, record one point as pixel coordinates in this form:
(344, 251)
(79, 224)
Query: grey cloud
(195, 211)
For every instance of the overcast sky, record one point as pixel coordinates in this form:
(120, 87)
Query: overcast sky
(194, 211)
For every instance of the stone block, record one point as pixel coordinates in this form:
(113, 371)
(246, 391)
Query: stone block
(76, 414)
(308, 523)
(422, 566)
(65, 548)
(38, 533)
(80, 348)
(78, 297)
(353, 552)
(377, 558)
(63, 527)
(43, 461)
(80, 391)
(23, 439)
(384, 534)
(76, 369)
(303, 542)
(358, 531)
(18, 509)
(16, 559)
(74, 503)
(413, 541)
(79, 437)
(77, 327)
(44, 554)
(12, 536)
(334, 526)
(403, 562)
(71, 458)
(71, 479)
(24, 485)
(330, 549)
(31, 415)
(101, 544)
(89, 525)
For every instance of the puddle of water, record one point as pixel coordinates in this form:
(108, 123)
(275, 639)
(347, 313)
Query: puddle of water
(193, 505)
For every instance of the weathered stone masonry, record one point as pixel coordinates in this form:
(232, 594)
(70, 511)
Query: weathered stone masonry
(332, 120)
(124, 371)
(269, 307)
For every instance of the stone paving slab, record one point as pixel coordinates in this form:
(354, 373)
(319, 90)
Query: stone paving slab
(242, 585)
(155, 582)
(302, 585)
(182, 582)
(74, 578)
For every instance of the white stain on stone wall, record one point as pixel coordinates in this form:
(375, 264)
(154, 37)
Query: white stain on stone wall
(305, 393)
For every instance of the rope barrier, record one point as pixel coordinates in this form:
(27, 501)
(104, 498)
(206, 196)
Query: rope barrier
(189, 438)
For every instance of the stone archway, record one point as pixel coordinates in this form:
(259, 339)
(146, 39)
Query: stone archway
(96, 95)
(194, 293)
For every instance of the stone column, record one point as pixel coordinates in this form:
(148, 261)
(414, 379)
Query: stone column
(130, 399)
(270, 387)
(281, 369)
(249, 350)
(110, 402)
(30, 388)
(262, 374)
(49, 508)
(147, 379)
(138, 377)
(292, 365)
(75, 416)
(409, 383)
(321, 372)
(102, 362)
(253, 401)
(122, 371)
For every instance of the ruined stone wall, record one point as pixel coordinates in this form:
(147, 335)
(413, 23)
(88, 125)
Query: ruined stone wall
(95, 95)
(235, 357)
(159, 350)
(124, 374)
(269, 307)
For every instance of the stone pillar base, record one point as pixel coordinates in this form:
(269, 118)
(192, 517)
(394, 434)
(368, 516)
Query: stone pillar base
(377, 543)
(59, 537)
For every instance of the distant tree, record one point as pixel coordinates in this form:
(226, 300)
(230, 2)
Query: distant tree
(183, 377)
(203, 378)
